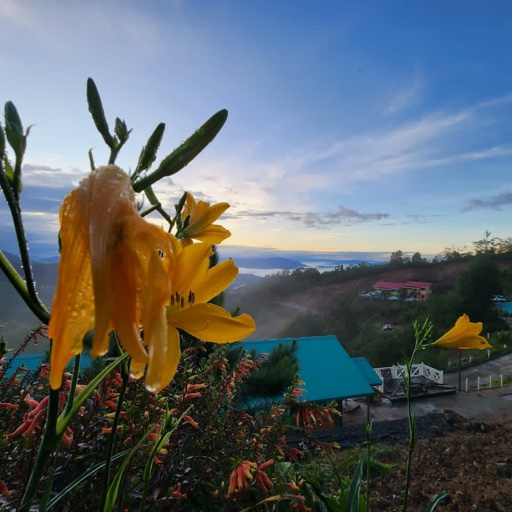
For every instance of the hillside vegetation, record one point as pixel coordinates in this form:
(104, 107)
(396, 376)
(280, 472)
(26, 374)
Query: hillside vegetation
(305, 302)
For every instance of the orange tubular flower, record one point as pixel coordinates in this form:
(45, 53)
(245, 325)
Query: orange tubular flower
(464, 335)
(4, 490)
(112, 272)
(201, 217)
(241, 475)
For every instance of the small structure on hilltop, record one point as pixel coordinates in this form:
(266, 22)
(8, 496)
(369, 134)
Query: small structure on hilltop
(412, 290)
(419, 290)
(328, 371)
(387, 289)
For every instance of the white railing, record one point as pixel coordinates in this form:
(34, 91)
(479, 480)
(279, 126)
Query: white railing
(420, 369)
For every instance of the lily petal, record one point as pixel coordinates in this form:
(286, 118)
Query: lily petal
(162, 370)
(213, 323)
(215, 234)
(110, 257)
(72, 311)
(191, 265)
(216, 281)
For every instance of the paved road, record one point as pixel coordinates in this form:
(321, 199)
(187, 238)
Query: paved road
(494, 367)
(484, 405)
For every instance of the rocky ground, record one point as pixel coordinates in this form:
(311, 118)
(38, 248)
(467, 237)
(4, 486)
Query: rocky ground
(471, 461)
(469, 457)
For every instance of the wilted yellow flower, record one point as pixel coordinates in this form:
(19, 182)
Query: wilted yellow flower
(464, 335)
(201, 217)
(113, 272)
(193, 285)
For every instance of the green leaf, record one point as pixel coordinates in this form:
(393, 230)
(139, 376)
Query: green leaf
(186, 151)
(114, 487)
(148, 152)
(9, 171)
(435, 501)
(82, 478)
(67, 416)
(353, 502)
(2, 142)
(328, 502)
(98, 114)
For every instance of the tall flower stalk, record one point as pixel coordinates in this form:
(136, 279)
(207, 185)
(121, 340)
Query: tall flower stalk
(421, 334)
(463, 335)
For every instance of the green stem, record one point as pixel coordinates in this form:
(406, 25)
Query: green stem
(112, 436)
(156, 205)
(21, 287)
(72, 389)
(28, 291)
(113, 155)
(368, 434)
(411, 421)
(48, 444)
(65, 417)
(17, 177)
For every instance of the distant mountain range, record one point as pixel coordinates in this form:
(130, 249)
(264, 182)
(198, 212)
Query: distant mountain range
(253, 263)
(268, 263)
(45, 272)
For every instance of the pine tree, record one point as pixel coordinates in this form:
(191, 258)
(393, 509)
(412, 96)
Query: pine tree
(276, 374)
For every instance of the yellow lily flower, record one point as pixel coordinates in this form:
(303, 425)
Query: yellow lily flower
(113, 272)
(119, 272)
(464, 335)
(200, 223)
(193, 285)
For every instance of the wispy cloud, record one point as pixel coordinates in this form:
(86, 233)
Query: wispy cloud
(52, 177)
(421, 219)
(433, 140)
(384, 152)
(408, 96)
(493, 203)
(340, 216)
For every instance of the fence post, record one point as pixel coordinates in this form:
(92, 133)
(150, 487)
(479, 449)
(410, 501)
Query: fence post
(466, 384)
(478, 384)
(490, 381)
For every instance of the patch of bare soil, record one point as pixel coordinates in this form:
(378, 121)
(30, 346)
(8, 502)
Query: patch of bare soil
(470, 461)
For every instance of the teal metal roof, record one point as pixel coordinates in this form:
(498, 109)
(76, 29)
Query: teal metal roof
(368, 372)
(327, 370)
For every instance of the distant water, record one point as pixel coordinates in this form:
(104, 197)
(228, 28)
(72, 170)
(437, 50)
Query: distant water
(321, 265)
(505, 306)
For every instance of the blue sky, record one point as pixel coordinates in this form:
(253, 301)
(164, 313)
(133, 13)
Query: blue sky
(353, 126)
